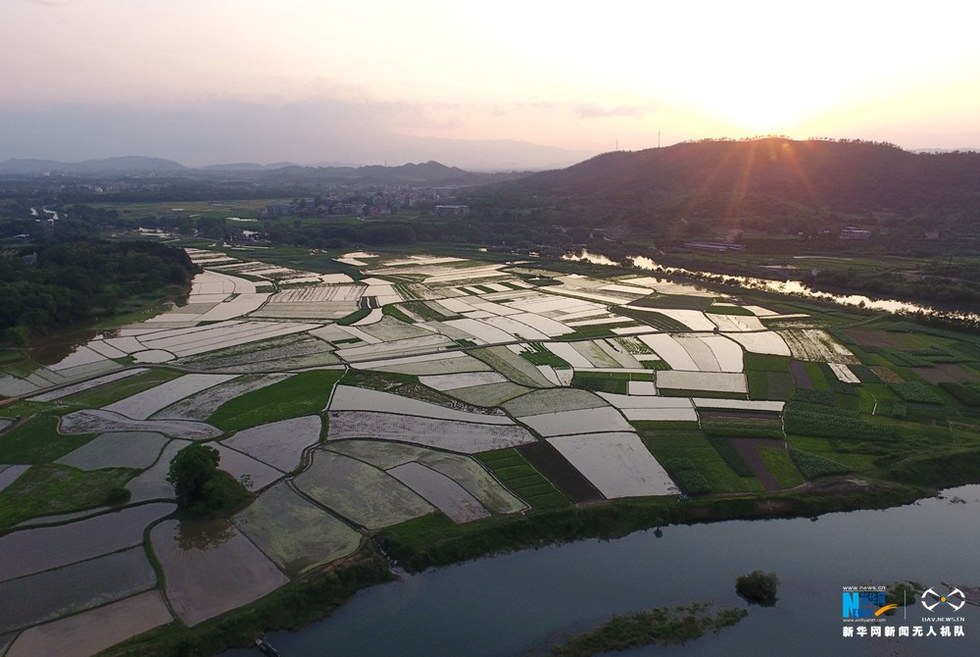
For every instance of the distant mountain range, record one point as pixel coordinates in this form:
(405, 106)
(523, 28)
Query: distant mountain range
(774, 184)
(427, 173)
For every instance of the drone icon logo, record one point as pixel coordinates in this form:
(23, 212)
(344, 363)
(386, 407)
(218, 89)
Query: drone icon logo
(947, 599)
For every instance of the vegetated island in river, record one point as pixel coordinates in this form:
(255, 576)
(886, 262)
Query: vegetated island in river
(662, 626)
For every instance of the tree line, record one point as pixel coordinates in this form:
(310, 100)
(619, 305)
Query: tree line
(53, 285)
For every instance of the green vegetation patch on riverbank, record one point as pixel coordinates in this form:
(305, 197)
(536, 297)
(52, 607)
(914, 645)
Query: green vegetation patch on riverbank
(303, 394)
(661, 626)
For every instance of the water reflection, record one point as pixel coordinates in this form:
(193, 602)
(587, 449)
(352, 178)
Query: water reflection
(52, 349)
(204, 534)
(788, 287)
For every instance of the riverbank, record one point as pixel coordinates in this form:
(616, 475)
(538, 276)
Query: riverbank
(433, 541)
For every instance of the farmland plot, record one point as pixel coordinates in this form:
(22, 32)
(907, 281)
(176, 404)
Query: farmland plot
(739, 404)
(379, 453)
(73, 636)
(440, 491)
(617, 463)
(394, 348)
(616, 351)
(349, 398)
(144, 404)
(135, 449)
(10, 473)
(465, 437)
(568, 353)
(31, 551)
(254, 475)
(716, 381)
(763, 342)
(202, 405)
(491, 394)
(465, 380)
(480, 331)
(475, 479)
(360, 492)
(670, 350)
(389, 328)
(73, 588)
(653, 409)
(86, 385)
(816, 345)
(578, 421)
(462, 469)
(279, 444)
(843, 372)
(595, 354)
(98, 421)
(512, 366)
(429, 364)
(81, 356)
(201, 339)
(700, 353)
(294, 532)
(727, 353)
(553, 401)
(735, 323)
(210, 568)
(692, 319)
(515, 329)
(152, 483)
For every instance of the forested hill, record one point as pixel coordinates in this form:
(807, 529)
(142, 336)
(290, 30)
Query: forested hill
(771, 184)
(60, 284)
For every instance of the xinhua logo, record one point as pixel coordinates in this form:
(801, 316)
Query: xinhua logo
(864, 604)
(955, 599)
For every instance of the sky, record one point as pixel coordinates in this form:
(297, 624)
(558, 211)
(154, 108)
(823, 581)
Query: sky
(472, 83)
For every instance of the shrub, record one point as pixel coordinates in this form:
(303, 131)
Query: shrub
(758, 588)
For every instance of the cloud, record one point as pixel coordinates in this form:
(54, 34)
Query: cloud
(592, 111)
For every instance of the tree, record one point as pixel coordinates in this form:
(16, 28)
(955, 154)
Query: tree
(190, 471)
(204, 491)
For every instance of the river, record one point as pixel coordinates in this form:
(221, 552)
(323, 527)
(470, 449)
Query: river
(788, 287)
(505, 606)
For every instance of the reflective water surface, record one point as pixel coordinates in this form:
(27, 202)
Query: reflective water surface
(505, 606)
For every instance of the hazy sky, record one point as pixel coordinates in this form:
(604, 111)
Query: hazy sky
(365, 81)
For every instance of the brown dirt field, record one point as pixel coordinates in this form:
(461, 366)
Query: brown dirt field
(887, 374)
(871, 338)
(945, 372)
(548, 461)
(746, 448)
(800, 376)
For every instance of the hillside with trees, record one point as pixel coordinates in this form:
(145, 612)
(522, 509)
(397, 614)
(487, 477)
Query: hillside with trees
(774, 185)
(59, 284)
